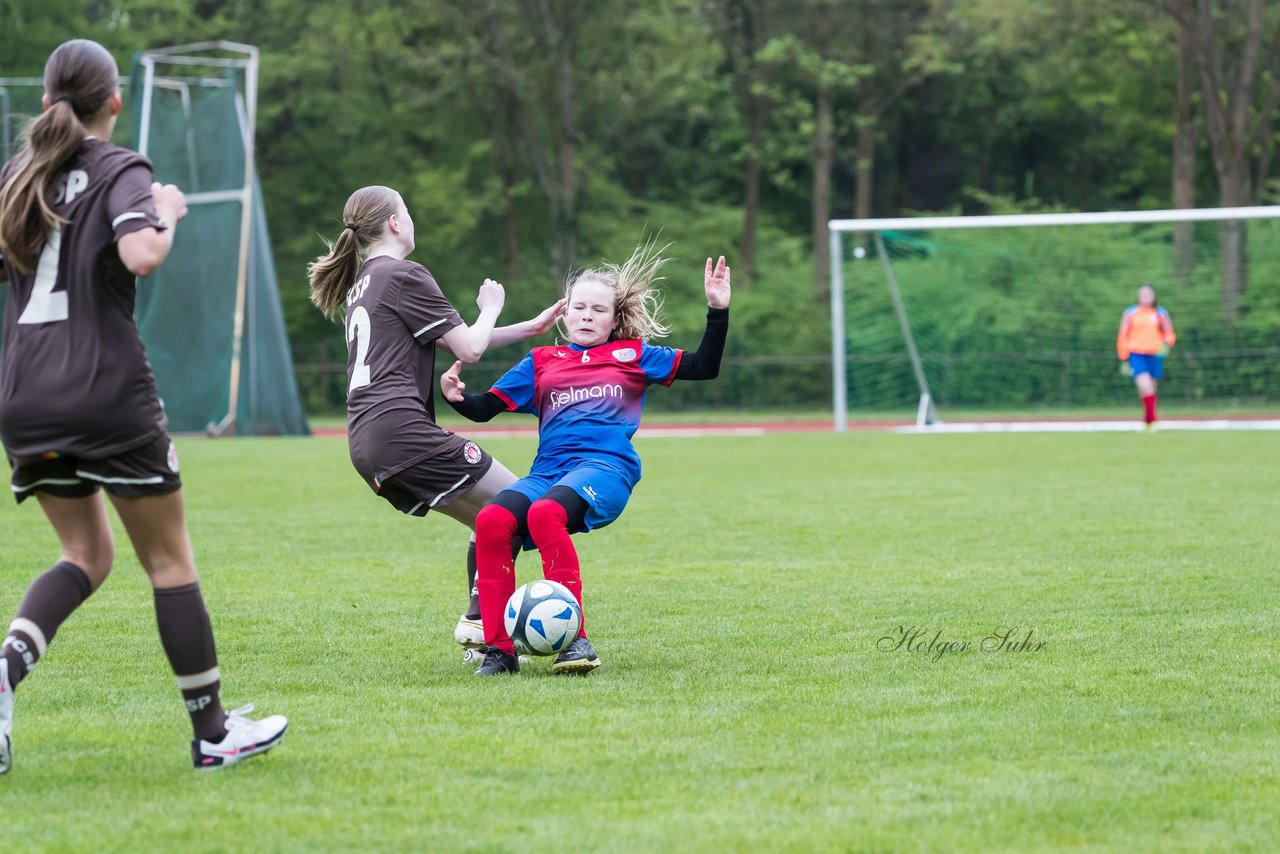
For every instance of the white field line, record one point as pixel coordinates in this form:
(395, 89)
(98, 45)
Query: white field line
(1084, 426)
(642, 433)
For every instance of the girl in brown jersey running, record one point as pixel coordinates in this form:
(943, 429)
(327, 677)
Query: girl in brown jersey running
(394, 315)
(79, 220)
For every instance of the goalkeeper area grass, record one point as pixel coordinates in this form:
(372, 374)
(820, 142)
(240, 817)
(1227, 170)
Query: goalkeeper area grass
(811, 642)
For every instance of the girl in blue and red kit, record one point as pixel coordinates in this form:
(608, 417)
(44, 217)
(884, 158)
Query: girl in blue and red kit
(588, 395)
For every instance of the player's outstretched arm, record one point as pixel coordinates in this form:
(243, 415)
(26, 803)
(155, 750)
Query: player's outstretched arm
(531, 328)
(1122, 346)
(716, 284)
(475, 407)
(451, 384)
(1166, 332)
(704, 363)
(468, 343)
(144, 250)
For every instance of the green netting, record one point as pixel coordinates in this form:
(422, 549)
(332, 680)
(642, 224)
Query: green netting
(1027, 317)
(186, 311)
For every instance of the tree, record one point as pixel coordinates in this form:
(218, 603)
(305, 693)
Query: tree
(1237, 52)
(744, 27)
(1185, 139)
(542, 104)
(894, 42)
(814, 56)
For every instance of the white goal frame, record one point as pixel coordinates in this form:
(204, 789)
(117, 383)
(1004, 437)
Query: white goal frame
(204, 56)
(837, 228)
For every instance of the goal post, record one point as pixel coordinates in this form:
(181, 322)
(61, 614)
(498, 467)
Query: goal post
(210, 316)
(213, 309)
(1021, 311)
(205, 56)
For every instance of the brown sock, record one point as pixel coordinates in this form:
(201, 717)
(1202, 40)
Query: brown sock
(49, 601)
(187, 637)
(473, 606)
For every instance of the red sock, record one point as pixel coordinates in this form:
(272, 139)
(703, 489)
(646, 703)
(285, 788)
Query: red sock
(1149, 405)
(549, 527)
(495, 572)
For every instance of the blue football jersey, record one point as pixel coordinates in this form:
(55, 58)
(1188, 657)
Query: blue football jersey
(588, 401)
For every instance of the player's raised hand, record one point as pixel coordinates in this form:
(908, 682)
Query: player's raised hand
(170, 202)
(491, 296)
(451, 384)
(546, 318)
(716, 284)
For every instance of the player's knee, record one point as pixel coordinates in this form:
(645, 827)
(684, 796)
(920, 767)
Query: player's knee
(167, 563)
(547, 515)
(171, 573)
(95, 558)
(495, 524)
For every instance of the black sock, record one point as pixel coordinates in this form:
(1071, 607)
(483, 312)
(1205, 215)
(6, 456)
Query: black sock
(187, 637)
(473, 606)
(49, 601)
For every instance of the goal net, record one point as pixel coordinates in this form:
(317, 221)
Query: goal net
(1008, 315)
(210, 315)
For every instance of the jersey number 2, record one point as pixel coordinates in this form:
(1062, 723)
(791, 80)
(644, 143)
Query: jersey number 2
(358, 328)
(45, 306)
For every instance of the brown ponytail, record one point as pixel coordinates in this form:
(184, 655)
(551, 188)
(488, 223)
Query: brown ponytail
(363, 217)
(79, 78)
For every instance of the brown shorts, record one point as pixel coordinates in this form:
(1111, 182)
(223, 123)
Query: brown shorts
(435, 480)
(149, 469)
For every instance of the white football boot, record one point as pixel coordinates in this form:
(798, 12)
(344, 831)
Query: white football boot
(6, 718)
(469, 634)
(244, 738)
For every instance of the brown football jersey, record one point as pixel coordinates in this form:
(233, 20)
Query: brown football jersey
(395, 313)
(74, 378)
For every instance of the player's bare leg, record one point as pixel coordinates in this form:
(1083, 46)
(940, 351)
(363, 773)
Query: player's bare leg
(83, 532)
(87, 552)
(157, 528)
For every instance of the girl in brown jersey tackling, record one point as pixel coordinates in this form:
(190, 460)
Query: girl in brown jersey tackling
(79, 220)
(394, 315)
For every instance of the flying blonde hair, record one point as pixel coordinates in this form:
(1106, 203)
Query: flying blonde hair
(638, 302)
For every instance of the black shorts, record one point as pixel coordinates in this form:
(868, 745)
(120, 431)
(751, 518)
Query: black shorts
(435, 480)
(149, 469)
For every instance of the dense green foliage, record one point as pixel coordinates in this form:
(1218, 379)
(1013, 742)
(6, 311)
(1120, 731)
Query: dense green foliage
(533, 136)
(743, 703)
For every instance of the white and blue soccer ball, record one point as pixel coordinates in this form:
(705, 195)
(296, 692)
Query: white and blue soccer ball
(542, 618)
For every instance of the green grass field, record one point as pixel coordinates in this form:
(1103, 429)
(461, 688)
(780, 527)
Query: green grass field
(747, 700)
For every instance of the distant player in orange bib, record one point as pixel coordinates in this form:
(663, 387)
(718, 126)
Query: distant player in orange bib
(1146, 334)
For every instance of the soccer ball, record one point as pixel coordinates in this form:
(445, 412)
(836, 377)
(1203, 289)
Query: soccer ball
(542, 618)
